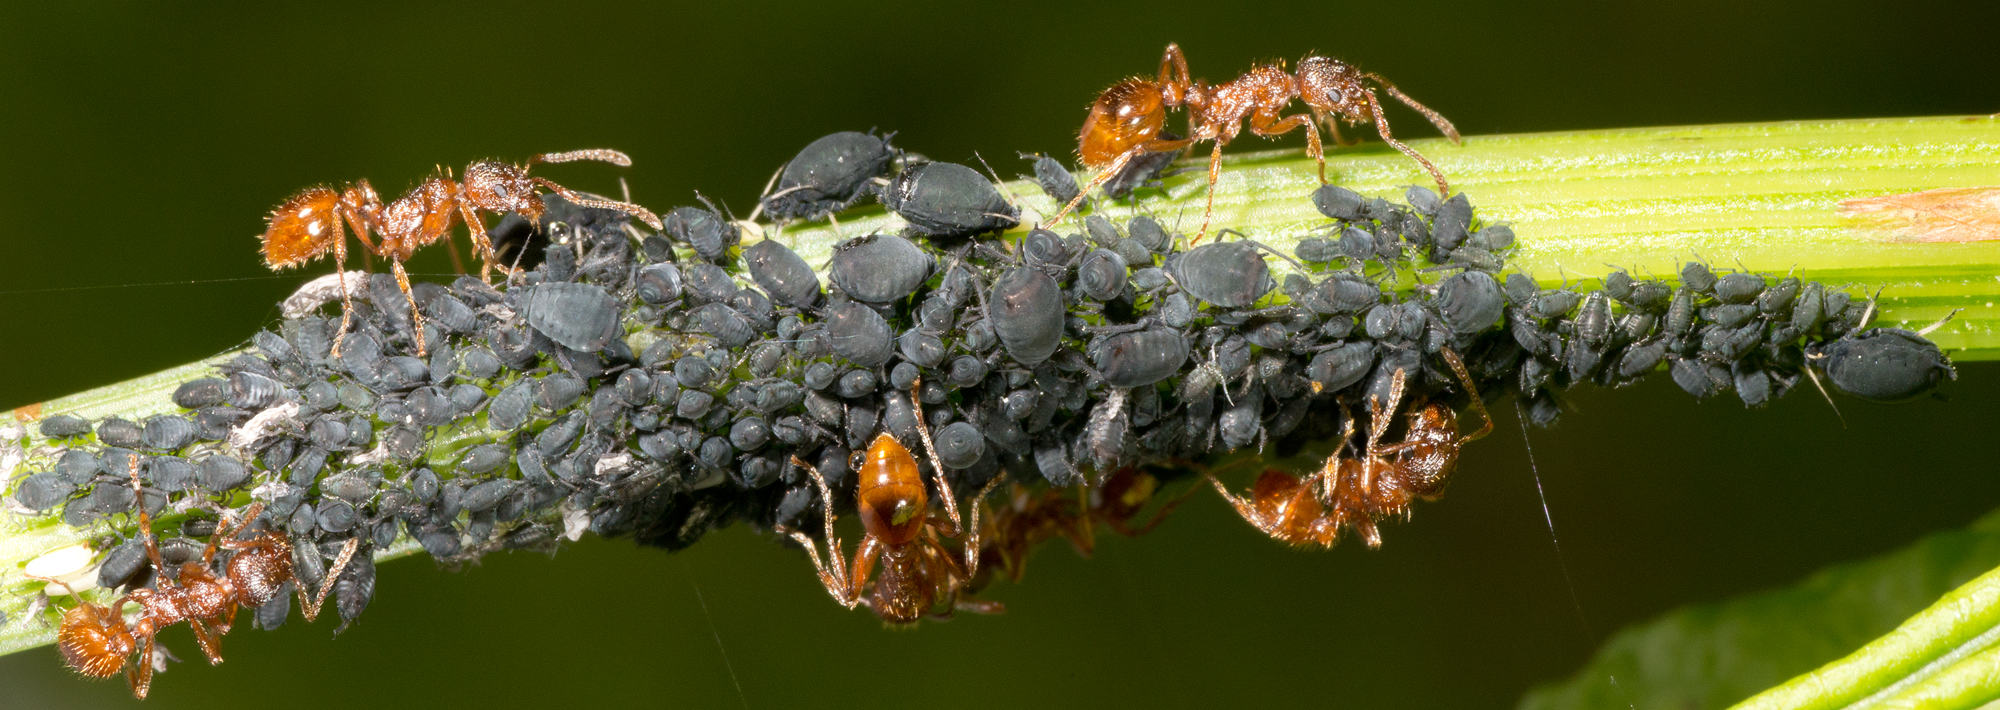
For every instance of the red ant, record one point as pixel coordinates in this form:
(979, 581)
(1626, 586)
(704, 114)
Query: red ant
(95, 639)
(1355, 491)
(1126, 119)
(917, 569)
(1029, 519)
(304, 227)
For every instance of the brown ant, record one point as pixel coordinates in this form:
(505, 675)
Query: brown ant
(308, 224)
(917, 569)
(1355, 491)
(1126, 119)
(1030, 519)
(96, 640)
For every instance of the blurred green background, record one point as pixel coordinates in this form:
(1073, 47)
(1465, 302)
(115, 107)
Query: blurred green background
(144, 142)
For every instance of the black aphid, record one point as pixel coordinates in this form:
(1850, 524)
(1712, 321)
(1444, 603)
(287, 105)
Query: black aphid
(829, 175)
(63, 426)
(1027, 314)
(1102, 275)
(728, 326)
(879, 268)
(1227, 274)
(858, 333)
(124, 434)
(1140, 358)
(948, 200)
(782, 273)
(1883, 365)
(204, 392)
(1054, 179)
(580, 317)
(166, 432)
(1469, 302)
(711, 236)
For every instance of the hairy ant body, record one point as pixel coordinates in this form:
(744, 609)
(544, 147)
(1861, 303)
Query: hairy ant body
(1029, 519)
(307, 225)
(918, 570)
(1127, 118)
(1355, 491)
(96, 640)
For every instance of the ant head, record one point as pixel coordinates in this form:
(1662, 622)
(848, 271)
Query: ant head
(498, 187)
(1331, 86)
(1126, 115)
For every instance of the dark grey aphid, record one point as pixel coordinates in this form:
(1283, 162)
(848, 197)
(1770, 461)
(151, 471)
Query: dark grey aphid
(1469, 302)
(1454, 218)
(63, 426)
(580, 317)
(219, 473)
(451, 314)
(960, 445)
(1140, 358)
(729, 327)
(1055, 180)
(1732, 315)
(948, 200)
(1027, 314)
(429, 406)
(1776, 301)
(693, 404)
(464, 398)
(167, 432)
(1044, 247)
(1694, 376)
(749, 433)
(879, 268)
(560, 434)
(858, 333)
(510, 408)
(1239, 426)
(354, 589)
(484, 458)
(77, 466)
(782, 273)
(124, 564)
(708, 283)
(43, 491)
(1102, 275)
(402, 372)
(1054, 465)
(349, 486)
(1884, 365)
(557, 391)
(171, 474)
(923, 349)
(1227, 274)
(1341, 367)
(1148, 233)
(1696, 277)
(660, 283)
(1338, 202)
(709, 234)
(204, 392)
(124, 434)
(830, 175)
(1317, 250)
(1739, 288)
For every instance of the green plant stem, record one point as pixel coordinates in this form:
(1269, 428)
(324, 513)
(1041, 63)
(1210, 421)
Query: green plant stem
(1756, 196)
(1762, 196)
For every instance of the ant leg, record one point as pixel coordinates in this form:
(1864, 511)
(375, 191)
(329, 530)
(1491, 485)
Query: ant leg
(971, 545)
(1173, 59)
(644, 215)
(937, 469)
(340, 270)
(1332, 124)
(416, 318)
(602, 155)
(1458, 366)
(1118, 165)
(1244, 507)
(481, 240)
(835, 580)
(1437, 119)
(1268, 125)
(311, 608)
(1214, 175)
(1382, 127)
(207, 642)
(139, 676)
(457, 262)
(146, 528)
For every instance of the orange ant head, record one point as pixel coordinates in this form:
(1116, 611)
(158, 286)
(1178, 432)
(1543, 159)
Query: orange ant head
(498, 187)
(1331, 86)
(1125, 116)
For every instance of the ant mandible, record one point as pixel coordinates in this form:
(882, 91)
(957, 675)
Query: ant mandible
(310, 223)
(1355, 491)
(917, 569)
(96, 640)
(1126, 119)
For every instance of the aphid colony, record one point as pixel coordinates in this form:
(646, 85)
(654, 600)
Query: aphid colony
(664, 384)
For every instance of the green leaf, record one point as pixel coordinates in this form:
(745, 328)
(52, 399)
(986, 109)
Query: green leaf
(1712, 655)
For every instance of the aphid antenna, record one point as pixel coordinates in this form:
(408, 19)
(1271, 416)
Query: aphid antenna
(998, 183)
(765, 194)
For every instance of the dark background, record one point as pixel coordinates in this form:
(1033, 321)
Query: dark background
(143, 144)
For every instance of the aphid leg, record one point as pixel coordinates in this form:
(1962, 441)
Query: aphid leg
(835, 580)
(1382, 127)
(644, 215)
(416, 317)
(311, 607)
(1458, 366)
